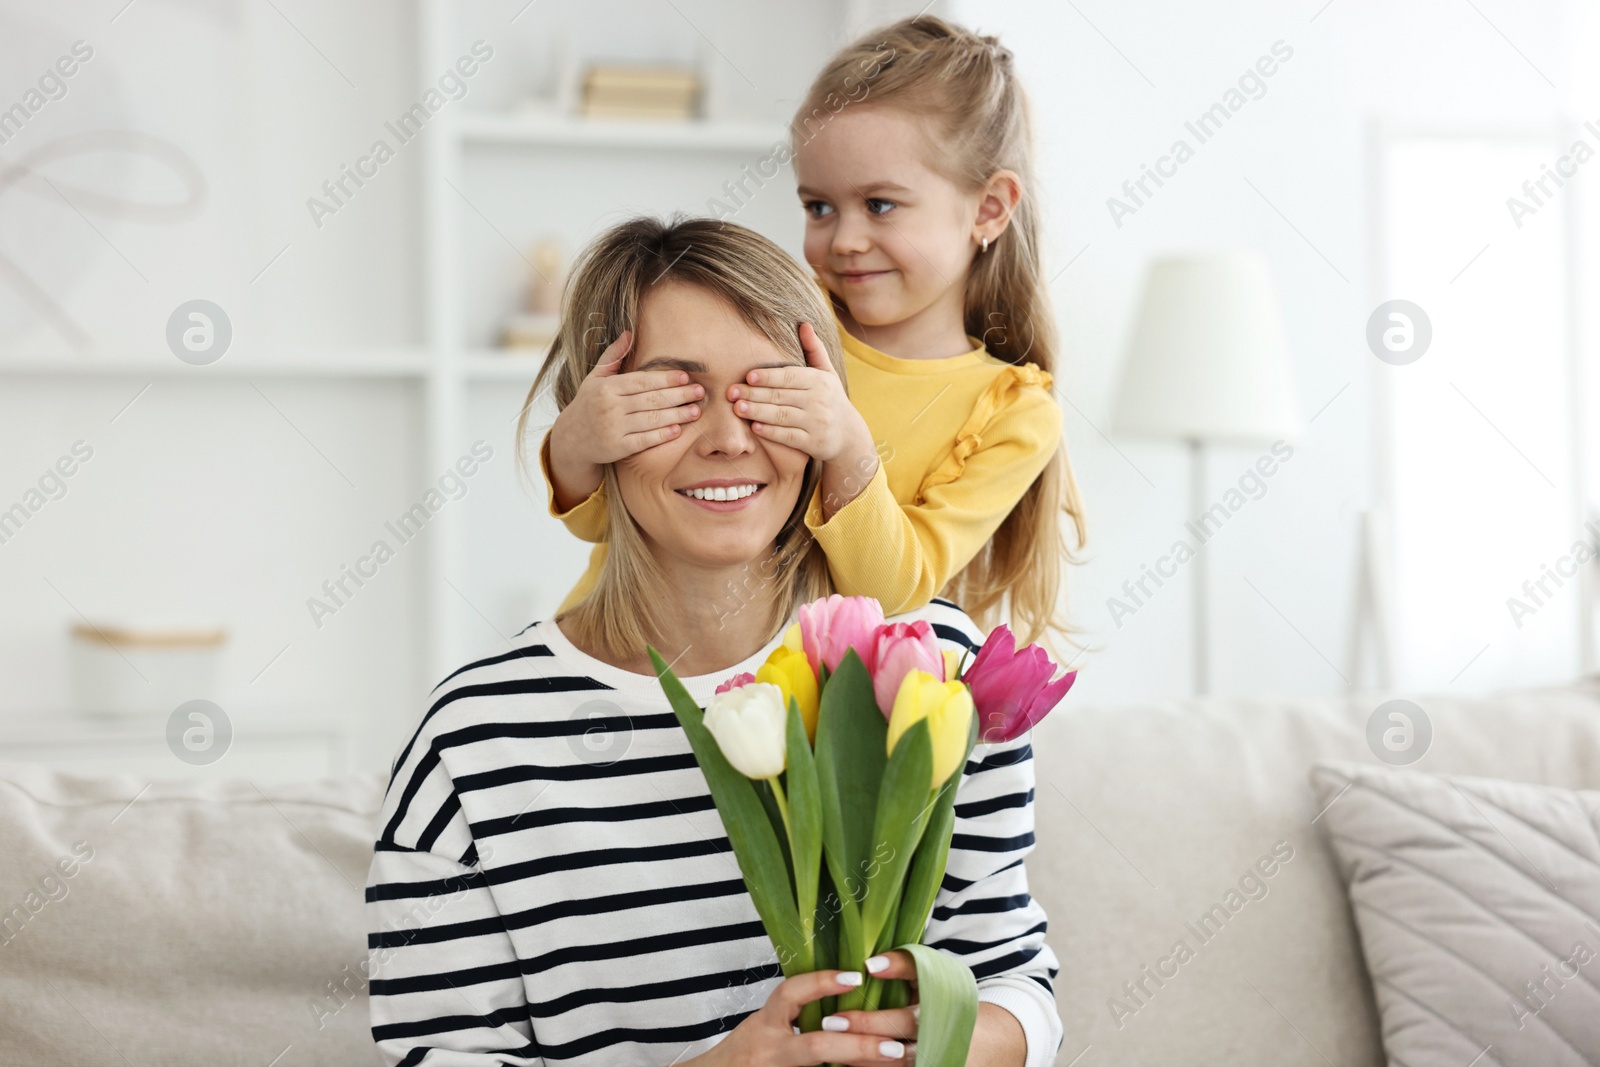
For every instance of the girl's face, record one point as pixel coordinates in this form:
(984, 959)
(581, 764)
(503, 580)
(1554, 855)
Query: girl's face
(683, 327)
(886, 233)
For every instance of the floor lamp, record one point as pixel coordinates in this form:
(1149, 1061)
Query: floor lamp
(1208, 364)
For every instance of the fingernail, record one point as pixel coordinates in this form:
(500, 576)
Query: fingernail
(849, 978)
(836, 1022)
(877, 963)
(743, 406)
(893, 1049)
(916, 1011)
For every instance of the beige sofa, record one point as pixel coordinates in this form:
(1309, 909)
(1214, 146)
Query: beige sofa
(222, 923)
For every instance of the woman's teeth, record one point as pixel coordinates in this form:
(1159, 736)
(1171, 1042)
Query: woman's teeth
(731, 492)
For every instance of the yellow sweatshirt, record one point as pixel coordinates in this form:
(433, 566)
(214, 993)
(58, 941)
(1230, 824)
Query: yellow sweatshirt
(959, 441)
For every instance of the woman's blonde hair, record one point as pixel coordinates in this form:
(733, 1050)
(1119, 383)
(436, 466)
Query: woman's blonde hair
(608, 284)
(963, 86)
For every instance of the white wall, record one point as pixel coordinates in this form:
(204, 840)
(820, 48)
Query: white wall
(231, 500)
(1113, 85)
(235, 500)
(226, 501)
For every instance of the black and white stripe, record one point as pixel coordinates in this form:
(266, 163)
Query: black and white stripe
(553, 884)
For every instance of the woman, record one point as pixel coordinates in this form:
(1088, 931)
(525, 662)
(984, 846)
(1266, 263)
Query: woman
(552, 882)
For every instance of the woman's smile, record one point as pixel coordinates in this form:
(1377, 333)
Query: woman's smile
(722, 494)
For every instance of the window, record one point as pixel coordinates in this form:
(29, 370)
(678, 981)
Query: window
(1482, 440)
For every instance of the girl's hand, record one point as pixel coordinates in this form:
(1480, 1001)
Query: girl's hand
(803, 407)
(767, 1037)
(614, 415)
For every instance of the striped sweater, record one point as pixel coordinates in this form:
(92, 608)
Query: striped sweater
(553, 884)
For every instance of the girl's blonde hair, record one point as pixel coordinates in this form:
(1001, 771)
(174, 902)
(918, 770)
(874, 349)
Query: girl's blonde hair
(609, 281)
(963, 86)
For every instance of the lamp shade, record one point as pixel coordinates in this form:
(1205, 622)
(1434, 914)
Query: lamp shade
(1208, 360)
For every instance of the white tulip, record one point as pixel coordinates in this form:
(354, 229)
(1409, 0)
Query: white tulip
(750, 724)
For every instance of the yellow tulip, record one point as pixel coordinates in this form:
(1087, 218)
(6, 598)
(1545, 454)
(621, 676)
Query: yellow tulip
(792, 638)
(789, 670)
(952, 664)
(948, 708)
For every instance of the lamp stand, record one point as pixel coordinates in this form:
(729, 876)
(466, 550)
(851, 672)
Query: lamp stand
(1372, 608)
(1198, 601)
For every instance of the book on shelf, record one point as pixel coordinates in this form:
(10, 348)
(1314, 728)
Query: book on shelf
(664, 93)
(528, 331)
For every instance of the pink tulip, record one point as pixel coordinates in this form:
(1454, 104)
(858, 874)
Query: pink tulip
(898, 648)
(830, 628)
(735, 682)
(1012, 690)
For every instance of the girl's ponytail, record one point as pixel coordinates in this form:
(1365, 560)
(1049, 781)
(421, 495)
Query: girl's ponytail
(965, 84)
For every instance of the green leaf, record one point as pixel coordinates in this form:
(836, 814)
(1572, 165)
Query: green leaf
(769, 801)
(826, 957)
(933, 854)
(851, 752)
(852, 743)
(805, 818)
(805, 845)
(926, 875)
(896, 994)
(948, 994)
(886, 938)
(902, 813)
(756, 847)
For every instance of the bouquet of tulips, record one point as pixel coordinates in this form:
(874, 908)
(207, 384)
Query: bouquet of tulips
(834, 768)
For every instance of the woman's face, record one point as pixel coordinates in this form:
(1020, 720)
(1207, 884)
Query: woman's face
(683, 327)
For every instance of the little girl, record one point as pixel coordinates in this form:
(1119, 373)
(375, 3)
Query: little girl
(946, 474)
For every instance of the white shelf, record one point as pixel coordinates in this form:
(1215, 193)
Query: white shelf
(475, 364)
(478, 169)
(398, 363)
(572, 132)
(498, 365)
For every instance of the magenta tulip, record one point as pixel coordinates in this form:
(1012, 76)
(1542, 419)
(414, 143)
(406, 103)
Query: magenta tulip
(897, 649)
(1012, 690)
(735, 682)
(830, 628)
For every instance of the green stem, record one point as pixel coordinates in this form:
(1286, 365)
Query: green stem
(807, 919)
(852, 957)
(783, 808)
(811, 1013)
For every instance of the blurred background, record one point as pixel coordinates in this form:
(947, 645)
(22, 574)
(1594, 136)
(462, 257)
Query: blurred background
(274, 277)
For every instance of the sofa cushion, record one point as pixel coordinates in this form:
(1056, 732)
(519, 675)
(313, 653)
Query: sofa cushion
(1478, 903)
(181, 923)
